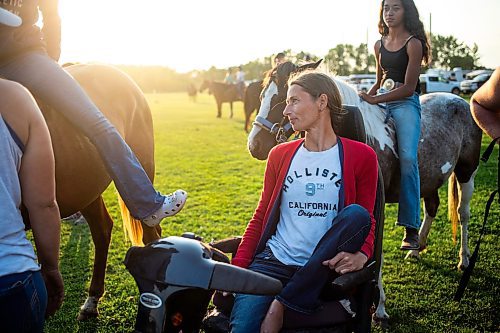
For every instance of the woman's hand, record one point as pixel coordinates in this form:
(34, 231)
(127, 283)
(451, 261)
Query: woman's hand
(367, 98)
(345, 262)
(55, 290)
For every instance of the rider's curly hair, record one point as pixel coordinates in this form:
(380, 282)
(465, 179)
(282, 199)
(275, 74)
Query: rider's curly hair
(412, 24)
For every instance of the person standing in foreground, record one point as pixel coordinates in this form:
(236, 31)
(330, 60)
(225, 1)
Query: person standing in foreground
(315, 214)
(400, 52)
(485, 106)
(29, 55)
(28, 292)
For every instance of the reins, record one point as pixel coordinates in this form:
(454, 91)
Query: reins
(468, 271)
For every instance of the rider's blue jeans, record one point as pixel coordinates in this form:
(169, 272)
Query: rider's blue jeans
(47, 81)
(23, 301)
(406, 115)
(302, 285)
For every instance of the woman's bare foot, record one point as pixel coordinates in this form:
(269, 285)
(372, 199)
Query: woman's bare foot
(273, 322)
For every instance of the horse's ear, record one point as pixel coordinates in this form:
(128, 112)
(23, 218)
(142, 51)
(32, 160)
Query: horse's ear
(312, 65)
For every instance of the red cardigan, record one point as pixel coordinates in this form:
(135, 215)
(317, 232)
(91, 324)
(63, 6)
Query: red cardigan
(359, 175)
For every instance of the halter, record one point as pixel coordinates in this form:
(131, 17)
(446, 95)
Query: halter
(281, 131)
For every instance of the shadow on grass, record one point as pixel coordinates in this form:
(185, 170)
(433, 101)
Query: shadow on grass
(75, 259)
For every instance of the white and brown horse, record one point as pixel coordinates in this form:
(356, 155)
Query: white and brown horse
(80, 174)
(449, 147)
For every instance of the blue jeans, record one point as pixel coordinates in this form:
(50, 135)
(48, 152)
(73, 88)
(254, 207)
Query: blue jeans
(406, 115)
(46, 80)
(303, 285)
(23, 301)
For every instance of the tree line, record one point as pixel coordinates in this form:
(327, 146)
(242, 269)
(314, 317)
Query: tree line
(343, 60)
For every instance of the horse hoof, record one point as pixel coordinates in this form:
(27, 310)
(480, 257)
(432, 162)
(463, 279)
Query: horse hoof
(412, 255)
(383, 323)
(86, 315)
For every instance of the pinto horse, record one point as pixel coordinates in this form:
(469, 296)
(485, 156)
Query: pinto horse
(81, 176)
(450, 143)
(223, 93)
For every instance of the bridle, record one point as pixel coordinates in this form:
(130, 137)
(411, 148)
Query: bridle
(280, 130)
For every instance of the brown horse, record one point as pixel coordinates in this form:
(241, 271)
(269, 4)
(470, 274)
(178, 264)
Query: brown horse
(80, 174)
(251, 102)
(223, 93)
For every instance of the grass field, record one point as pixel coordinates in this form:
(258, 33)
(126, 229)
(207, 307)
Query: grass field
(208, 158)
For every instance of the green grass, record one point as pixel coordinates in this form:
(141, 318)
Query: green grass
(208, 158)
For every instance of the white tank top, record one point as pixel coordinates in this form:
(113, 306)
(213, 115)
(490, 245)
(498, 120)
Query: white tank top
(16, 251)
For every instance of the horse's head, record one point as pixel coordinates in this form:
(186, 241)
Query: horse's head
(270, 127)
(205, 85)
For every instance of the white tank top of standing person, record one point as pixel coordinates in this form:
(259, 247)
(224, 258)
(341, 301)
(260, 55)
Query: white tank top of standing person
(16, 252)
(309, 203)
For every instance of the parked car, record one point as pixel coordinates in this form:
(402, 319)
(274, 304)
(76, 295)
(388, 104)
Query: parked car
(470, 86)
(355, 79)
(471, 75)
(435, 83)
(365, 84)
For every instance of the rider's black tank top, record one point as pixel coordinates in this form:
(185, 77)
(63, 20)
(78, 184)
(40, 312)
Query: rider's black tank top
(394, 64)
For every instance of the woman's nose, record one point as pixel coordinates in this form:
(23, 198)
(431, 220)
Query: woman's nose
(286, 111)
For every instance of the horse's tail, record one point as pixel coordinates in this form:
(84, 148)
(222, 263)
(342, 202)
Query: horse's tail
(131, 226)
(453, 204)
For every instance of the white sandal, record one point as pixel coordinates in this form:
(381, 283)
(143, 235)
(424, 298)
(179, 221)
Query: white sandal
(173, 203)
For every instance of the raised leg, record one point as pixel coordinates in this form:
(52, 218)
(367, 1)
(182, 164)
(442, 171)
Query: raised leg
(431, 204)
(101, 225)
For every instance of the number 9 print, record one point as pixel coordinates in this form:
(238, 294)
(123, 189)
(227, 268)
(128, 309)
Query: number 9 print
(310, 189)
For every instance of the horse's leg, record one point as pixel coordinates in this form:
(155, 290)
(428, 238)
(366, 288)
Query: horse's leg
(431, 204)
(231, 104)
(150, 234)
(219, 109)
(380, 317)
(247, 119)
(101, 225)
(465, 191)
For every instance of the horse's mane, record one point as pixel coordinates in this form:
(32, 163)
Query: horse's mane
(373, 117)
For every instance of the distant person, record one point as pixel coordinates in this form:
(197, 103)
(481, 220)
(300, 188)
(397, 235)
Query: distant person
(30, 289)
(485, 105)
(240, 82)
(29, 55)
(279, 59)
(229, 78)
(400, 52)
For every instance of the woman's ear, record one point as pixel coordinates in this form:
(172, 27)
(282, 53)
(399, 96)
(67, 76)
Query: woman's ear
(323, 101)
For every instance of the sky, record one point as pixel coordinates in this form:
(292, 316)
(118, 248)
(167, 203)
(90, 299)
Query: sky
(197, 34)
